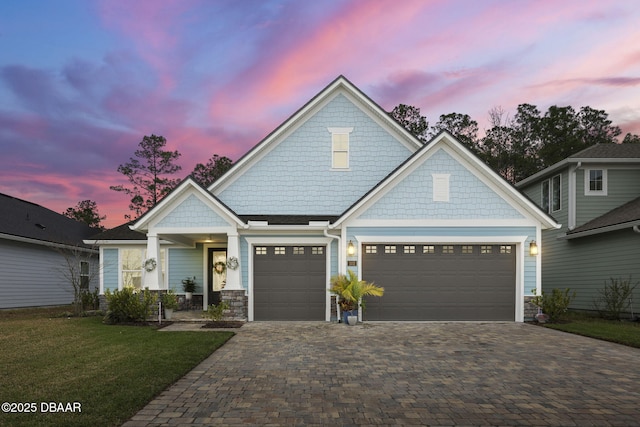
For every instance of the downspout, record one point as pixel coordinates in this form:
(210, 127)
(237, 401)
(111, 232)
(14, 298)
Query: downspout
(636, 228)
(326, 233)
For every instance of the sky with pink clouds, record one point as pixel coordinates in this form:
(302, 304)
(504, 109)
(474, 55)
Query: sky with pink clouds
(81, 82)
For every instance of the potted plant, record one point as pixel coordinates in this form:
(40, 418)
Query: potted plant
(169, 303)
(189, 286)
(350, 291)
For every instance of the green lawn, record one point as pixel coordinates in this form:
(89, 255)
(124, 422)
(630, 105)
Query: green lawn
(621, 332)
(110, 371)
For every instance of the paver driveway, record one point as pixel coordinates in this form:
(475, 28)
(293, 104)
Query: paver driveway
(286, 373)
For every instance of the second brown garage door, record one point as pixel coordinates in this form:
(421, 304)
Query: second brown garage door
(441, 282)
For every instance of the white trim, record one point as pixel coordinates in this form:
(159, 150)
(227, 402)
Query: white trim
(481, 171)
(287, 241)
(438, 240)
(340, 86)
(467, 222)
(518, 240)
(177, 196)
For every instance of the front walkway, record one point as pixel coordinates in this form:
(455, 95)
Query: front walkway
(507, 374)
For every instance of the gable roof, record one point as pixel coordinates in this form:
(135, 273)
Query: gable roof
(142, 223)
(598, 153)
(340, 85)
(444, 138)
(22, 220)
(625, 216)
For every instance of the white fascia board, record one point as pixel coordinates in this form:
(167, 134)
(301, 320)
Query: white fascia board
(183, 191)
(471, 222)
(339, 86)
(279, 228)
(497, 184)
(442, 239)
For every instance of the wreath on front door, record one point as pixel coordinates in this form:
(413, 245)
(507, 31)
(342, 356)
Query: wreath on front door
(219, 267)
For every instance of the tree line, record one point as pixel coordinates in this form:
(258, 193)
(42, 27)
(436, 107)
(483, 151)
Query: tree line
(515, 147)
(519, 146)
(151, 174)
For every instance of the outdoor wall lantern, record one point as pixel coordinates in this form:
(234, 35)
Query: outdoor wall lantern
(351, 249)
(533, 248)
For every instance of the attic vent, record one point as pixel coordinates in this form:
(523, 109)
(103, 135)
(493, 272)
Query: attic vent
(40, 226)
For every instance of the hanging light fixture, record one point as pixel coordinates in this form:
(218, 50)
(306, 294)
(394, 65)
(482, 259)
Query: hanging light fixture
(533, 248)
(351, 249)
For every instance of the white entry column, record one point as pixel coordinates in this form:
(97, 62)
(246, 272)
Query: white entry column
(152, 279)
(233, 260)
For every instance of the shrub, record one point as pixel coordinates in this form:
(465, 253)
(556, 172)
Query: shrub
(615, 298)
(129, 305)
(555, 304)
(216, 312)
(90, 300)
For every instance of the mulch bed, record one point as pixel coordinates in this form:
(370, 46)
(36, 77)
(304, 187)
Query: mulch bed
(223, 324)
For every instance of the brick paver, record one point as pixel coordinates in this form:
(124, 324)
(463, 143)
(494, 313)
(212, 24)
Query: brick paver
(441, 374)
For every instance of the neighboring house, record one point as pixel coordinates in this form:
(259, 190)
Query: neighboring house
(341, 185)
(35, 245)
(595, 195)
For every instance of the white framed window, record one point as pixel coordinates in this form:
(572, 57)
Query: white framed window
(409, 249)
(370, 249)
(340, 147)
(261, 250)
(279, 250)
(428, 249)
(440, 187)
(390, 249)
(551, 199)
(447, 249)
(505, 249)
(595, 182)
(84, 275)
(317, 250)
(467, 249)
(132, 266)
(298, 250)
(486, 249)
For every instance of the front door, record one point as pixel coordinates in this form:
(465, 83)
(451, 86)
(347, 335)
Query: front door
(217, 277)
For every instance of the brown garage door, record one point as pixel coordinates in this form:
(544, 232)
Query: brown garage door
(289, 282)
(441, 282)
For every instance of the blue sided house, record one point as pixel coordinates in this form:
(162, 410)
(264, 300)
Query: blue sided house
(341, 186)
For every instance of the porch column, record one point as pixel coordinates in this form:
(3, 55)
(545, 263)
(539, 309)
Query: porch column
(152, 279)
(233, 251)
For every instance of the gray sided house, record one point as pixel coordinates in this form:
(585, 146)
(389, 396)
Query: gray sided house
(35, 246)
(341, 186)
(595, 195)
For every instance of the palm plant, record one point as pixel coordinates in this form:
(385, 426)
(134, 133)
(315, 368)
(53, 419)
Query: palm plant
(350, 290)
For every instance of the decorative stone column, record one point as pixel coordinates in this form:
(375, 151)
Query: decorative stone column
(233, 292)
(152, 279)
